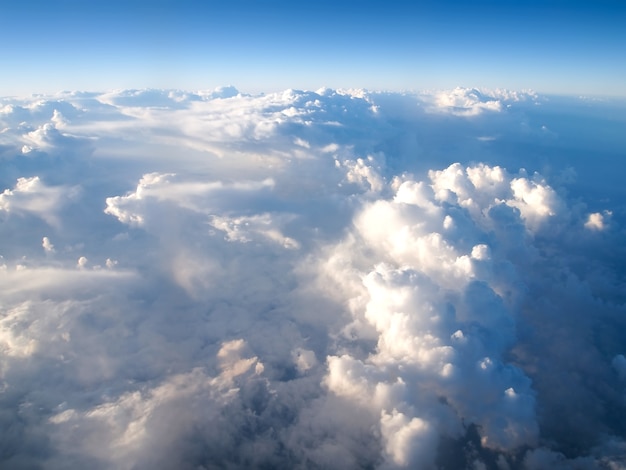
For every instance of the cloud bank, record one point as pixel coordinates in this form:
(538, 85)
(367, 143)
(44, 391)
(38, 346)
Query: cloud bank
(328, 279)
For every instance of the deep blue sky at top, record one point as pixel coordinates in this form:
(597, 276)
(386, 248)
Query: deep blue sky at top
(264, 45)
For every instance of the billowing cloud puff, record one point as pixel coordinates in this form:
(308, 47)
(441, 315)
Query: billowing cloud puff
(472, 102)
(47, 245)
(598, 221)
(328, 279)
(32, 196)
(440, 324)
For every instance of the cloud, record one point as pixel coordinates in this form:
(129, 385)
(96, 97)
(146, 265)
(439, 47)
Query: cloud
(32, 196)
(47, 245)
(472, 102)
(309, 279)
(598, 221)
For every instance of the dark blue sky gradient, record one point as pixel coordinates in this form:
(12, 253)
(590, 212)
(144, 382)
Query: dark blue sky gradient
(562, 47)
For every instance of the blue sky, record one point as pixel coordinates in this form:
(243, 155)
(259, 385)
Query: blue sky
(554, 47)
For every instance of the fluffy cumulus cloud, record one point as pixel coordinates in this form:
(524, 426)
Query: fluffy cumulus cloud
(329, 279)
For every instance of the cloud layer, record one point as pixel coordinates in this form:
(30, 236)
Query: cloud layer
(329, 279)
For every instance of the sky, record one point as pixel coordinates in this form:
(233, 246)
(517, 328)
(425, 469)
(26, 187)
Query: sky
(335, 235)
(263, 46)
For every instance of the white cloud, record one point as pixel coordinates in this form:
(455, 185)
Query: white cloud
(330, 279)
(473, 102)
(363, 173)
(47, 245)
(536, 201)
(597, 221)
(191, 195)
(242, 229)
(409, 442)
(33, 196)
